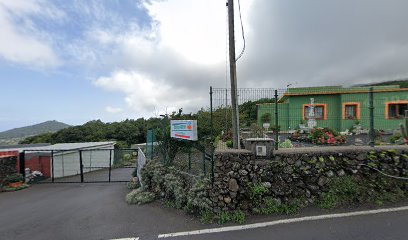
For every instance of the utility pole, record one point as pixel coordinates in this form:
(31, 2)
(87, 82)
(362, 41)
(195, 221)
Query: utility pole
(233, 75)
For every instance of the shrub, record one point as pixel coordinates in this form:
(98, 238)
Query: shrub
(229, 144)
(326, 136)
(13, 178)
(197, 198)
(266, 118)
(342, 190)
(140, 196)
(273, 205)
(286, 144)
(256, 193)
(12, 189)
(207, 217)
(395, 138)
(236, 216)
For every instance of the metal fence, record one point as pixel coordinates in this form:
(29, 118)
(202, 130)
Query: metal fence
(78, 166)
(313, 116)
(194, 158)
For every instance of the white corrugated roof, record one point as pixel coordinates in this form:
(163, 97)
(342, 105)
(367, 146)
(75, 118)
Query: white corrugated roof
(62, 146)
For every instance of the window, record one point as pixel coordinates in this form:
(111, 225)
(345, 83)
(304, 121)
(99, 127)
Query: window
(351, 110)
(319, 111)
(396, 109)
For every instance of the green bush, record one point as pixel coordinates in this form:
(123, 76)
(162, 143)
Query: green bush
(207, 217)
(139, 196)
(326, 136)
(272, 205)
(286, 144)
(12, 189)
(13, 178)
(342, 191)
(197, 197)
(236, 216)
(229, 143)
(257, 191)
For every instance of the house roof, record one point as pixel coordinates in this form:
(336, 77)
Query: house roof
(62, 146)
(335, 90)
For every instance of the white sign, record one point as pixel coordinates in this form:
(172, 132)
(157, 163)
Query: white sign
(184, 129)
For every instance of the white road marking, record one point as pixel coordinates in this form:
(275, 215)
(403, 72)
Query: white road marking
(283, 221)
(126, 238)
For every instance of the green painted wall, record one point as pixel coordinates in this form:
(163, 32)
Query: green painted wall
(290, 112)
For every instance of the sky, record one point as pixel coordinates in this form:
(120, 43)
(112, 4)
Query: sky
(76, 61)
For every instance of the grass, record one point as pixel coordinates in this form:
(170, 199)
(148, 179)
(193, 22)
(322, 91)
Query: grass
(348, 190)
(236, 216)
(273, 206)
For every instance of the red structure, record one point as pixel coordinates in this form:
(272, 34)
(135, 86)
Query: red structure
(33, 161)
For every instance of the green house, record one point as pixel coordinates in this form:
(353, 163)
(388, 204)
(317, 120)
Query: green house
(337, 107)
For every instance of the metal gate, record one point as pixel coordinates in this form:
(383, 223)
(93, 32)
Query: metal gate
(78, 166)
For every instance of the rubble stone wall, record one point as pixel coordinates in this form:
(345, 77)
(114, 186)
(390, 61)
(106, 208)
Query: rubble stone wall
(302, 173)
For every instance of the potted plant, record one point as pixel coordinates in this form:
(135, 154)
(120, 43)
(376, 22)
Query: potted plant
(302, 124)
(14, 180)
(266, 119)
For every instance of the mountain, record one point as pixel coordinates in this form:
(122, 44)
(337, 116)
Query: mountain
(20, 133)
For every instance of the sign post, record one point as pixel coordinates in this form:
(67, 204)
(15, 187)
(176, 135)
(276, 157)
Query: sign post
(184, 129)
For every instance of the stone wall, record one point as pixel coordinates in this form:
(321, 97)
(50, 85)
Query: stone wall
(7, 166)
(302, 173)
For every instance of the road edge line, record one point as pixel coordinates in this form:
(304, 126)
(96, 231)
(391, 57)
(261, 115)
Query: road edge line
(282, 221)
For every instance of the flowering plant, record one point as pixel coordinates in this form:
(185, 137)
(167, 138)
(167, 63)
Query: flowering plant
(326, 136)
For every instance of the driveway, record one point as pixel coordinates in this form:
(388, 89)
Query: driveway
(88, 211)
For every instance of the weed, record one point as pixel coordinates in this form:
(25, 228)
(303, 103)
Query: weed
(257, 191)
(207, 217)
(236, 216)
(224, 217)
(273, 206)
(342, 190)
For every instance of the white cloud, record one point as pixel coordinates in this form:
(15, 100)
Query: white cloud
(21, 42)
(113, 110)
(146, 97)
(194, 29)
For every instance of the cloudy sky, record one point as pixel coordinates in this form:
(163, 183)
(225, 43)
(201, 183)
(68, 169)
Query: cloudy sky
(75, 61)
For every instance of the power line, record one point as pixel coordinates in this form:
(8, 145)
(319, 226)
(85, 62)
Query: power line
(243, 33)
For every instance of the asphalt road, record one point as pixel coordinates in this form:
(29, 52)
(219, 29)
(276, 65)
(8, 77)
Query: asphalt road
(89, 211)
(98, 211)
(390, 226)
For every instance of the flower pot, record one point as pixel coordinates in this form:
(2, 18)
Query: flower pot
(15, 184)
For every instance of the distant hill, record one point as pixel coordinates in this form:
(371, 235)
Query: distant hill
(45, 127)
(401, 83)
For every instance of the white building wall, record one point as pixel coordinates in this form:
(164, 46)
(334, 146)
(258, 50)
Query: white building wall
(68, 163)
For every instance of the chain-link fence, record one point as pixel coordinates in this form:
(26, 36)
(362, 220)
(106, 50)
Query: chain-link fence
(313, 116)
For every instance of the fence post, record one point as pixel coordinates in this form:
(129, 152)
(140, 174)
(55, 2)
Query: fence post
(21, 159)
(211, 114)
(371, 132)
(110, 163)
(52, 166)
(189, 158)
(276, 121)
(81, 166)
(204, 170)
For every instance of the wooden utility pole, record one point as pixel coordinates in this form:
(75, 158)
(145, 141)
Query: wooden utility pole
(233, 75)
